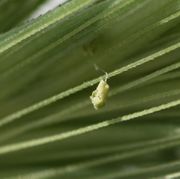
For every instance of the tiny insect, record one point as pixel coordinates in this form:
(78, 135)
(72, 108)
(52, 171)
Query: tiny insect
(99, 96)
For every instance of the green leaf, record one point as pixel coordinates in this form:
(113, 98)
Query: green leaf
(49, 67)
(13, 12)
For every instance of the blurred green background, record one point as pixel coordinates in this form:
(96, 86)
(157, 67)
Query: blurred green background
(48, 126)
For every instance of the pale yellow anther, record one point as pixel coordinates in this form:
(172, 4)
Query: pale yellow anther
(99, 96)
